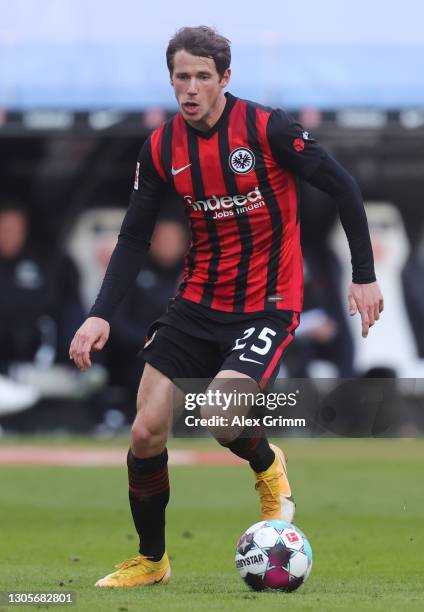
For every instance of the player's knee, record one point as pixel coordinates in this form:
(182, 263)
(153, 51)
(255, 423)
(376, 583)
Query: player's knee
(143, 436)
(140, 434)
(217, 423)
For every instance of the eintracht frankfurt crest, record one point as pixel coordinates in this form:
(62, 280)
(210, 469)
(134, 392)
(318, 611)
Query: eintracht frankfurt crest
(242, 160)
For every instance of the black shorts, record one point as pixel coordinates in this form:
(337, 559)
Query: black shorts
(192, 341)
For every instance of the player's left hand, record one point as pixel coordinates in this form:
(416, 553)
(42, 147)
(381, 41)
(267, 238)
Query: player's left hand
(368, 299)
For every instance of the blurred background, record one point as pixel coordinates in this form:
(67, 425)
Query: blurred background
(82, 84)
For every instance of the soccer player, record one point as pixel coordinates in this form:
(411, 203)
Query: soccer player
(235, 165)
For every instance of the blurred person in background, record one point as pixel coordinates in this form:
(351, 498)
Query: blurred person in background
(40, 304)
(413, 286)
(235, 165)
(156, 283)
(325, 333)
(318, 331)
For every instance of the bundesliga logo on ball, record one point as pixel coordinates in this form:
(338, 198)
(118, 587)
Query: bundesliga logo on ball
(274, 555)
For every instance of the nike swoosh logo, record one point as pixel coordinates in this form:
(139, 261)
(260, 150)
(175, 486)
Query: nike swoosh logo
(243, 358)
(175, 172)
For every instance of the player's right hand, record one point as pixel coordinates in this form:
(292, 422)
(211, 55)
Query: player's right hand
(91, 336)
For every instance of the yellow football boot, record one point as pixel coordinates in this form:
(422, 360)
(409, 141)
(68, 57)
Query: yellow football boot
(138, 571)
(274, 489)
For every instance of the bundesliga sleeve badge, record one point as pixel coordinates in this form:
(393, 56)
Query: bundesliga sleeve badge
(298, 144)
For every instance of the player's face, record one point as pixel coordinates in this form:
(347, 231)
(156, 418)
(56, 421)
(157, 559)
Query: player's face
(199, 89)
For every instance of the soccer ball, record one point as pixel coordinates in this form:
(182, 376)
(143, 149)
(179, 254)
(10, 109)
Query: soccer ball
(274, 555)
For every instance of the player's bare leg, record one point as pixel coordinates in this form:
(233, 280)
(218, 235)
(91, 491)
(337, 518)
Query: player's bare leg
(267, 460)
(148, 484)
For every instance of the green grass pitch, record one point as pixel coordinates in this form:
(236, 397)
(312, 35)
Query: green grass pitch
(360, 502)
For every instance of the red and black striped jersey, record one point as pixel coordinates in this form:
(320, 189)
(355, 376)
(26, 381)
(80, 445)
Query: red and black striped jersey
(237, 183)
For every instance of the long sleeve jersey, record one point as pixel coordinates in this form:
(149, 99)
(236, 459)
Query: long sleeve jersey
(238, 183)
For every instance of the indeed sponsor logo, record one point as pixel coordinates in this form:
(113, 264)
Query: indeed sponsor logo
(225, 206)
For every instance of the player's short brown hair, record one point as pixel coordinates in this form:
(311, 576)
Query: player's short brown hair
(203, 42)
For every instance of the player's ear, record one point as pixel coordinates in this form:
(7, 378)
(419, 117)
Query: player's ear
(226, 77)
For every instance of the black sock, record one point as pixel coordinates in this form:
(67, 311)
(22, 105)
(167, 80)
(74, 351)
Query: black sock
(255, 449)
(149, 495)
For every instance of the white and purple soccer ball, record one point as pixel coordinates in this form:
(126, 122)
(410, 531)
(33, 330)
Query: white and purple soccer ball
(274, 555)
